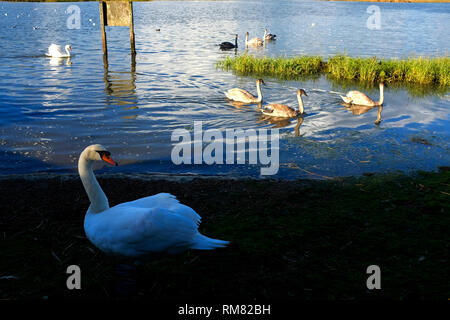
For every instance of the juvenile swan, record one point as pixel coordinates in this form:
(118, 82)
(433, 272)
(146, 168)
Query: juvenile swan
(253, 42)
(359, 98)
(242, 95)
(283, 111)
(157, 223)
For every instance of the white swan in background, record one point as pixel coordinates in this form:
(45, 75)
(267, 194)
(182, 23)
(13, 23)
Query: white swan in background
(269, 36)
(55, 51)
(254, 41)
(157, 223)
(359, 98)
(241, 95)
(283, 111)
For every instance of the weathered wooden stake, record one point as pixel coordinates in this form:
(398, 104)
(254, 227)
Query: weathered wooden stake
(133, 47)
(117, 13)
(103, 23)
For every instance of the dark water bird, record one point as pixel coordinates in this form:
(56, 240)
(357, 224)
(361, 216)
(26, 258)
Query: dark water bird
(283, 111)
(158, 223)
(269, 36)
(228, 45)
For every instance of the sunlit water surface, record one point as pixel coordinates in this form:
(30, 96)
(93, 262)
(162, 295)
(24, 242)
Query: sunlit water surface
(51, 109)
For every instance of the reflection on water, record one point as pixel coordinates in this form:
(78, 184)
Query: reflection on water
(120, 86)
(51, 109)
(279, 122)
(358, 110)
(59, 61)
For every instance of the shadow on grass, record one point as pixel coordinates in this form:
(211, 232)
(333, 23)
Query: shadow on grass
(289, 239)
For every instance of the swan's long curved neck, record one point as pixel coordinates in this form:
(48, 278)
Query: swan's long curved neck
(67, 51)
(99, 201)
(258, 89)
(380, 102)
(300, 104)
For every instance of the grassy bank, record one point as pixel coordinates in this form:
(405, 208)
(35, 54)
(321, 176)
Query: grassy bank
(417, 70)
(280, 67)
(289, 239)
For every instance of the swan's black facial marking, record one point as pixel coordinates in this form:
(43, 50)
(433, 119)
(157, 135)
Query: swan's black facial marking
(104, 153)
(106, 156)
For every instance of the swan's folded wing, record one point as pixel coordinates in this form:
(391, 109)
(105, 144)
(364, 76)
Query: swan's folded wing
(166, 201)
(280, 107)
(239, 94)
(54, 49)
(137, 231)
(55, 46)
(166, 230)
(277, 109)
(360, 98)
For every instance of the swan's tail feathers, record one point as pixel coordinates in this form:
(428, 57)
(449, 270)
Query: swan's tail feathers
(201, 242)
(346, 99)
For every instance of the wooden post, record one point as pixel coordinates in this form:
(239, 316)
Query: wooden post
(133, 47)
(117, 14)
(133, 64)
(103, 23)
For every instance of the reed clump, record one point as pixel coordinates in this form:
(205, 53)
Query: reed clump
(413, 70)
(281, 67)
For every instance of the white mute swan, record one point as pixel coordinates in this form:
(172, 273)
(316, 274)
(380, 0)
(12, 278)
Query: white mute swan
(241, 95)
(359, 98)
(55, 51)
(283, 111)
(157, 223)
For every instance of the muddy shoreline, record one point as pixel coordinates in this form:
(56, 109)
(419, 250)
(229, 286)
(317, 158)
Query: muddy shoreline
(299, 239)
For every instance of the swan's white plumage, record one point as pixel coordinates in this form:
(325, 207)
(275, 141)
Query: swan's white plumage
(158, 223)
(55, 51)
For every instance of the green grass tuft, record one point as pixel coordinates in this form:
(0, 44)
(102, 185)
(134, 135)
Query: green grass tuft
(282, 67)
(415, 70)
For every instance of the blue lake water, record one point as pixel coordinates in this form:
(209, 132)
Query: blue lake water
(50, 109)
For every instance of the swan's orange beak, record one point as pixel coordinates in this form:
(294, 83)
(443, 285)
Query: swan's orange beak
(109, 160)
